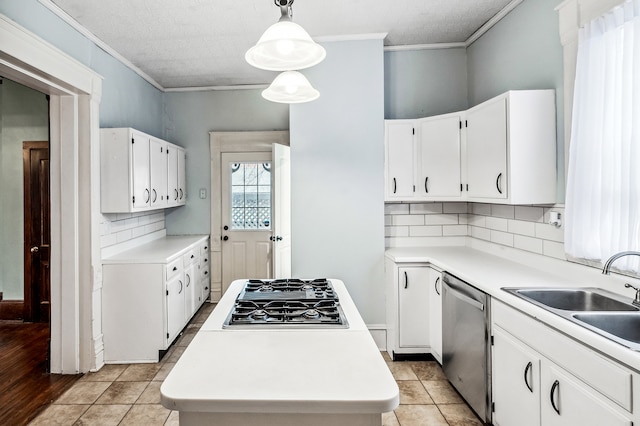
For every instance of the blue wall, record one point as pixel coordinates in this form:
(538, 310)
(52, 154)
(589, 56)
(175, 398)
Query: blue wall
(337, 163)
(127, 99)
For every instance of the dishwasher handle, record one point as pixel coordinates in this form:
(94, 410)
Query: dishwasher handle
(466, 299)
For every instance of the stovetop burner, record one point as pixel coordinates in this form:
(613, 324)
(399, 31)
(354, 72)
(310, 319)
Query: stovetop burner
(287, 302)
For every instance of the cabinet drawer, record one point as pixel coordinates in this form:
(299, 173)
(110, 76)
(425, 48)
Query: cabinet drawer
(605, 376)
(190, 256)
(174, 268)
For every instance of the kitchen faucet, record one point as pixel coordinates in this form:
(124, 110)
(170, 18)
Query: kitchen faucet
(607, 269)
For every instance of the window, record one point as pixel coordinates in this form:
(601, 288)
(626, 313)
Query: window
(251, 196)
(603, 187)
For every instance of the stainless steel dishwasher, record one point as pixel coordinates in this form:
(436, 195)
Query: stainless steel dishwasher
(466, 358)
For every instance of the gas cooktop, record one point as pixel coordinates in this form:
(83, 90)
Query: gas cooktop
(293, 303)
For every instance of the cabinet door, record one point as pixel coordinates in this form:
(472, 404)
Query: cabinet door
(567, 401)
(182, 173)
(487, 150)
(439, 157)
(140, 171)
(413, 307)
(399, 160)
(516, 382)
(190, 284)
(158, 173)
(172, 175)
(435, 313)
(175, 307)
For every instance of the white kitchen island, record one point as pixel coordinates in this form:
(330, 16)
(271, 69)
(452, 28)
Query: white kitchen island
(276, 376)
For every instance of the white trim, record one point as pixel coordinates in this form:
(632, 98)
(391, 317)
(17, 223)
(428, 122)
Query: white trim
(434, 46)
(101, 44)
(75, 92)
(379, 334)
(215, 88)
(491, 22)
(350, 37)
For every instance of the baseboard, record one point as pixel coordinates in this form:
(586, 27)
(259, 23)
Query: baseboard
(379, 334)
(11, 309)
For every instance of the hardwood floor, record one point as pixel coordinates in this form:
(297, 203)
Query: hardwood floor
(26, 387)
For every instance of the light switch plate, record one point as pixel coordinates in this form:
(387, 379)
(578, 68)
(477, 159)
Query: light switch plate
(203, 193)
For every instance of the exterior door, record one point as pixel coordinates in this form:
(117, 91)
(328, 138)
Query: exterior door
(37, 232)
(281, 238)
(247, 223)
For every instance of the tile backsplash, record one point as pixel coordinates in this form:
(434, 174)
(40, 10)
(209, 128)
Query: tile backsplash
(118, 228)
(521, 227)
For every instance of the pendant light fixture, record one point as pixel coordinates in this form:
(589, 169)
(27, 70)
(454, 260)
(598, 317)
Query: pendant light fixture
(290, 87)
(285, 45)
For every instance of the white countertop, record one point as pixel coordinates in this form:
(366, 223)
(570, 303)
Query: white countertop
(318, 370)
(490, 273)
(157, 251)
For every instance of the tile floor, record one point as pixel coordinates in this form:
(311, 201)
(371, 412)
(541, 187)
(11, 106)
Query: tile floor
(130, 394)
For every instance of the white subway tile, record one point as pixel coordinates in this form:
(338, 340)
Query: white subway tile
(483, 209)
(454, 208)
(477, 221)
(388, 220)
(441, 219)
(425, 231)
(549, 232)
(159, 225)
(503, 238)
(105, 228)
(463, 219)
(138, 231)
(396, 231)
(496, 223)
(149, 228)
(500, 210)
(529, 213)
(426, 208)
(108, 240)
(123, 235)
(527, 243)
(553, 249)
(157, 217)
(481, 233)
(122, 216)
(457, 230)
(407, 219)
(521, 227)
(396, 208)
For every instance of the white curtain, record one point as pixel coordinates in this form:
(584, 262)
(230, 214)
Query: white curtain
(603, 187)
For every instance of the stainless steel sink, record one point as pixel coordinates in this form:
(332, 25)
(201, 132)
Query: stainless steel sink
(623, 325)
(583, 299)
(607, 314)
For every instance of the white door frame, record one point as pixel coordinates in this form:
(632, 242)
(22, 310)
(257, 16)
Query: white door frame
(231, 142)
(75, 92)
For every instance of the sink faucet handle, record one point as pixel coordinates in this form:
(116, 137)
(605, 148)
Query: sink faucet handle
(627, 285)
(637, 299)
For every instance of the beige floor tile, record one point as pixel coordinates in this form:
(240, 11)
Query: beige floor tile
(139, 373)
(386, 356)
(175, 354)
(103, 415)
(186, 337)
(442, 392)
(412, 392)
(173, 419)
(59, 415)
(83, 393)
(122, 393)
(108, 373)
(420, 415)
(402, 371)
(390, 419)
(428, 370)
(164, 371)
(147, 415)
(151, 394)
(459, 415)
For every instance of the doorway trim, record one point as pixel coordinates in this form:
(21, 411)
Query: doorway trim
(75, 92)
(219, 142)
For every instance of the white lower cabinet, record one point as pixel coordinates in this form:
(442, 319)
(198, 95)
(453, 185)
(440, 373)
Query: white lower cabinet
(544, 378)
(413, 307)
(435, 313)
(149, 294)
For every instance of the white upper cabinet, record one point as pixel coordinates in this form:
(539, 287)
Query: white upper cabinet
(399, 160)
(511, 149)
(439, 157)
(501, 151)
(136, 172)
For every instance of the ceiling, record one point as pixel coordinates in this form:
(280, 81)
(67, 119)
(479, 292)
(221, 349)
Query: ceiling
(201, 43)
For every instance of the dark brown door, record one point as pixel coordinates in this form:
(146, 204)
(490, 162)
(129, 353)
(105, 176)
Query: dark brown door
(37, 233)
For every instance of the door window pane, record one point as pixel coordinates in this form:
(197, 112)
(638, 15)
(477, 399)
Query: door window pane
(250, 196)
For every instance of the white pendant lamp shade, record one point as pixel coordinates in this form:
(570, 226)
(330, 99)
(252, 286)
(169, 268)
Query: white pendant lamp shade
(284, 46)
(290, 87)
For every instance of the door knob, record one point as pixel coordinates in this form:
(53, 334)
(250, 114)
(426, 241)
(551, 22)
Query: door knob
(35, 249)
(226, 228)
(225, 238)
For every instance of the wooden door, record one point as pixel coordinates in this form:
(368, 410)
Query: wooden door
(37, 232)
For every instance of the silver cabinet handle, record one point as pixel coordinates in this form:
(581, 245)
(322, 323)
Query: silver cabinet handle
(435, 285)
(528, 368)
(147, 195)
(188, 279)
(155, 195)
(556, 386)
(181, 287)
